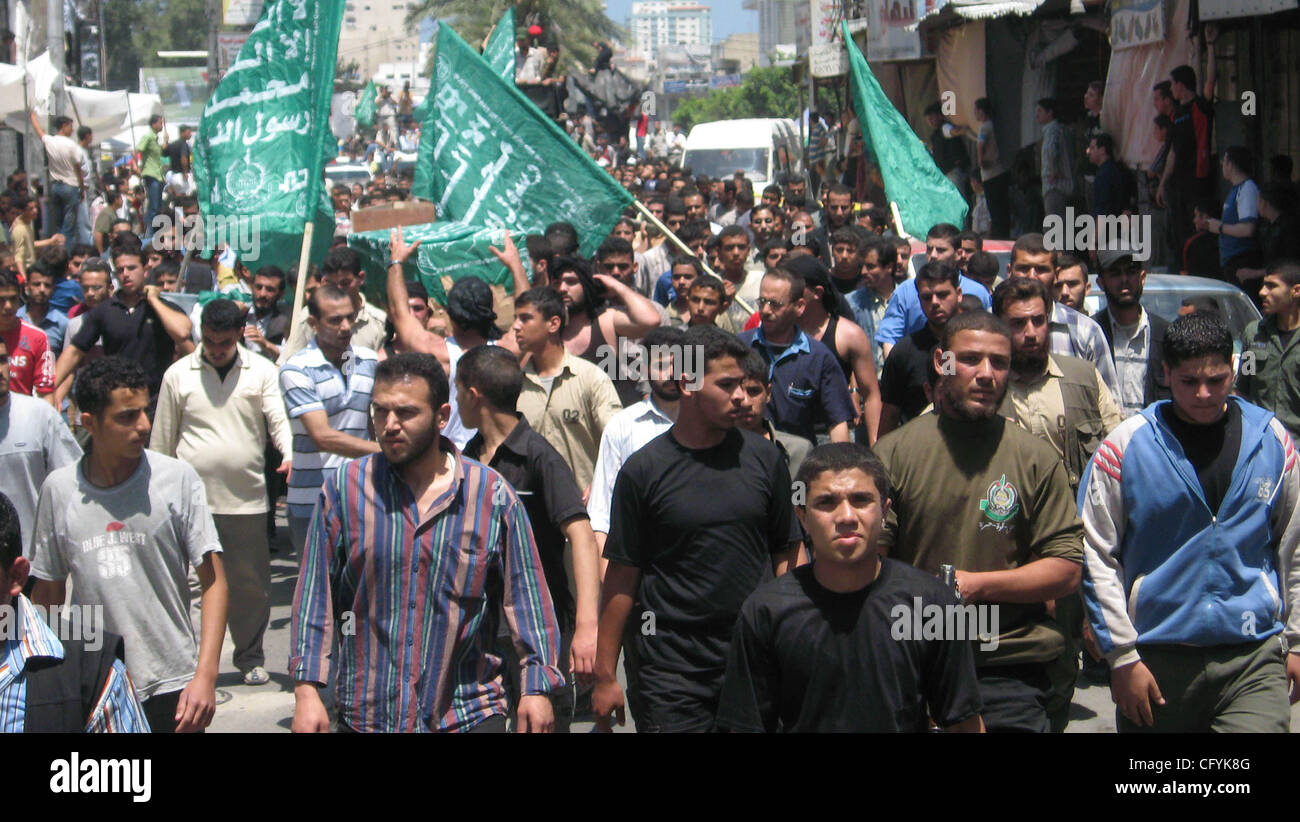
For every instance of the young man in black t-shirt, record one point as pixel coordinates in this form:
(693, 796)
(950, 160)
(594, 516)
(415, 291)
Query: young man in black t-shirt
(819, 649)
(907, 368)
(697, 516)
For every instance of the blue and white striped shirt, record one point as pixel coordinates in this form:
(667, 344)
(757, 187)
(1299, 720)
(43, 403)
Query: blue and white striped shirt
(311, 383)
(117, 708)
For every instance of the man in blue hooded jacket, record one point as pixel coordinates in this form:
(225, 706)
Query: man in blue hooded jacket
(1192, 551)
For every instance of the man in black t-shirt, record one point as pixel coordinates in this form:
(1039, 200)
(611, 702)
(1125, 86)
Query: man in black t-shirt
(907, 368)
(488, 382)
(135, 323)
(820, 649)
(700, 516)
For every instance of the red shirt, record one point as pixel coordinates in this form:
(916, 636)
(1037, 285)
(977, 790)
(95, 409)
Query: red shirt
(31, 363)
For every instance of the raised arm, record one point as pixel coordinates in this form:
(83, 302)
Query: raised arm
(410, 333)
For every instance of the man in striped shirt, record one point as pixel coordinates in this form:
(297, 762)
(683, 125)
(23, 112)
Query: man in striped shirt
(424, 548)
(39, 672)
(326, 389)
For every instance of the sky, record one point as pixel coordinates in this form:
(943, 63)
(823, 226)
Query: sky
(729, 16)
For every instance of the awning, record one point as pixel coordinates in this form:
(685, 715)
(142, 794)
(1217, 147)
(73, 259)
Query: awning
(980, 9)
(1225, 9)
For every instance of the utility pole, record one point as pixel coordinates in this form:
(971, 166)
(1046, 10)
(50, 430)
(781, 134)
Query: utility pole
(215, 12)
(54, 43)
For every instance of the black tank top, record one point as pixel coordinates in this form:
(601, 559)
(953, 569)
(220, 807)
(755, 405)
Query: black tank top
(629, 390)
(828, 340)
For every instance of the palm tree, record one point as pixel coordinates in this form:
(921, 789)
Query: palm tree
(575, 24)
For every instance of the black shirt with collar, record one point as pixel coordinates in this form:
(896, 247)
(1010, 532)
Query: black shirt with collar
(135, 333)
(545, 484)
(277, 324)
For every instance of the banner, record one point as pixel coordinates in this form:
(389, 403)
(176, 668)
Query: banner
(448, 250)
(365, 108)
(888, 37)
(1136, 23)
(489, 157)
(183, 90)
(924, 195)
(264, 136)
(500, 49)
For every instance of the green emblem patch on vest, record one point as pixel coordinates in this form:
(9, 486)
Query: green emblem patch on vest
(1001, 502)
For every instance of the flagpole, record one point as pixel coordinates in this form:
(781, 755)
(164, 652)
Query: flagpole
(300, 287)
(898, 220)
(645, 212)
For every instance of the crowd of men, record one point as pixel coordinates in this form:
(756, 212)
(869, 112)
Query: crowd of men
(725, 453)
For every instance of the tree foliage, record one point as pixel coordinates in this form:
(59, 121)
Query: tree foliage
(135, 30)
(764, 92)
(575, 24)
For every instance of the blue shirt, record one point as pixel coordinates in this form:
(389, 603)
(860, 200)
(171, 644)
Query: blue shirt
(117, 710)
(1241, 206)
(807, 384)
(55, 325)
(67, 293)
(904, 315)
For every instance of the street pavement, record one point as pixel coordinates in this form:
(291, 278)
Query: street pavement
(269, 708)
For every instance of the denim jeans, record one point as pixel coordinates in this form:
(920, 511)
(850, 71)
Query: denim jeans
(154, 188)
(64, 201)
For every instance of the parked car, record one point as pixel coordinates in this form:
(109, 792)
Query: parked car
(347, 173)
(764, 149)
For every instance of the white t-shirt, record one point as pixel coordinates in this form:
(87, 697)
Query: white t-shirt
(129, 549)
(33, 442)
(65, 158)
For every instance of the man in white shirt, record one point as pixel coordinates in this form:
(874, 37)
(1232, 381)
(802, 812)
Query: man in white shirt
(215, 409)
(66, 182)
(662, 351)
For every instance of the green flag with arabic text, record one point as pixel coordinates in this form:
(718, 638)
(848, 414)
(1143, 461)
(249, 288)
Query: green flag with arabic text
(500, 49)
(912, 180)
(364, 112)
(264, 137)
(488, 156)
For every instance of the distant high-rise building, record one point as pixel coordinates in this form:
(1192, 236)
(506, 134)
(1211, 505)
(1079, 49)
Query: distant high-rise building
(780, 22)
(374, 32)
(658, 23)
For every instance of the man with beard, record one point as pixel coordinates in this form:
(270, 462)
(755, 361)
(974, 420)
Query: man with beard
(268, 322)
(689, 568)
(976, 491)
(838, 212)
(1072, 284)
(415, 643)
(903, 315)
(629, 430)
(604, 310)
(1068, 331)
(1136, 338)
(1062, 401)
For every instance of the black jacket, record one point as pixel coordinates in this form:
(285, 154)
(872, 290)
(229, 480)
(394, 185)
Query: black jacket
(1154, 387)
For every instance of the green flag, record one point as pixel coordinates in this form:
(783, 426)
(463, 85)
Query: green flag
(447, 249)
(912, 180)
(264, 137)
(500, 49)
(489, 157)
(365, 108)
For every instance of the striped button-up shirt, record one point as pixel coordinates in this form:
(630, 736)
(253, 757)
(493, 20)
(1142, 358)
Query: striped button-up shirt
(1078, 335)
(117, 710)
(413, 598)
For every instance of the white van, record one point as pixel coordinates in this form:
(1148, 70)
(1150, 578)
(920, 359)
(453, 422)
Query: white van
(763, 149)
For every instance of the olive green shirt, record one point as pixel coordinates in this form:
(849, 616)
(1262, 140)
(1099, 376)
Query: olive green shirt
(982, 496)
(1270, 372)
